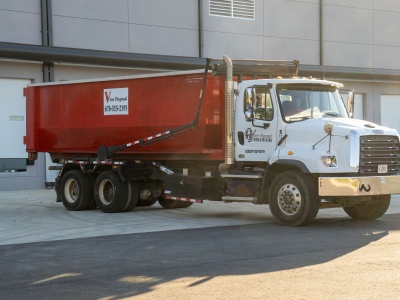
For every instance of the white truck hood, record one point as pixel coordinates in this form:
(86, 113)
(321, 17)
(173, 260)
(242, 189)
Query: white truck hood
(307, 140)
(341, 126)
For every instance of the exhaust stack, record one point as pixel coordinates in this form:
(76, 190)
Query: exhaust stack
(229, 115)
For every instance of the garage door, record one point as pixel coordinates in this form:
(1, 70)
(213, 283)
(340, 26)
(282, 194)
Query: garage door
(390, 116)
(12, 119)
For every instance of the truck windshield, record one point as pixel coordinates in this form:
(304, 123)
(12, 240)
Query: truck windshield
(306, 101)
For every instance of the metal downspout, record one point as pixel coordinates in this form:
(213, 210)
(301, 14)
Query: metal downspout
(200, 25)
(321, 33)
(47, 37)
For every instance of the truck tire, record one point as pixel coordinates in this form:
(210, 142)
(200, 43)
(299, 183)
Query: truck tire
(76, 190)
(168, 204)
(294, 199)
(364, 211)
(133, 195)
(110, 192)
(185, 204)
(92, 204)
(150, 202)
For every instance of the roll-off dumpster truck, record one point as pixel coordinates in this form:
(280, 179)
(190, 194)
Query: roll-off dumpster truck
(242, 131)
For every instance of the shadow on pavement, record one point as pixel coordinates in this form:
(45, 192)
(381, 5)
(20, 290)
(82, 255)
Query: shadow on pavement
(115, 267)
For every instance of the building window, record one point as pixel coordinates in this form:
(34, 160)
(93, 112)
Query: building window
(241, 9)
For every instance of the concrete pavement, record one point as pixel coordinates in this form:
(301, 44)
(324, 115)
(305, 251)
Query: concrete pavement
(47, 252)
(35, 216)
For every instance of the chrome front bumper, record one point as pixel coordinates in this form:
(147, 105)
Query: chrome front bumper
(358, 186)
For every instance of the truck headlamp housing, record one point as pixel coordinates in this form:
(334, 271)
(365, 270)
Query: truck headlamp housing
(329, 161)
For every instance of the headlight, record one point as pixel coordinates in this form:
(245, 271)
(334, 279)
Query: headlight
(329, 161)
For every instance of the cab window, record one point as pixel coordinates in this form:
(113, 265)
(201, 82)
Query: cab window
(257, 101)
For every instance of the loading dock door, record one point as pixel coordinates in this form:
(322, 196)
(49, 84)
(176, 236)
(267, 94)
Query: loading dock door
(12, 123)
(390, 116)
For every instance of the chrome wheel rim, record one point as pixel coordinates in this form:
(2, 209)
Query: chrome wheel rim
(289, 199)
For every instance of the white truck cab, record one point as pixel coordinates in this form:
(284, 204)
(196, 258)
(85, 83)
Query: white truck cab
(294, 140)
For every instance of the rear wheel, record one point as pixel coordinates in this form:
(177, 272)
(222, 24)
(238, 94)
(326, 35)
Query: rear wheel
(110, 192)
(185, 204)
(294, 199)
(133, 195)
(150, 202)
(92, 204)
(76, 190)
(365, 211)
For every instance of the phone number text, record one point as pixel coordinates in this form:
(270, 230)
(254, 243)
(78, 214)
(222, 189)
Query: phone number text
(116, 108)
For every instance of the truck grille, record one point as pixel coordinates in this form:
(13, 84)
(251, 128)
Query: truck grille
(379, 150)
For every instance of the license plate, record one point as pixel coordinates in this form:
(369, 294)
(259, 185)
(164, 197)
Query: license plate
(382, 169)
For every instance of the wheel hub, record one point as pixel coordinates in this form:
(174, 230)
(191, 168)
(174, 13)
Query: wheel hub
(289, 199)
(106, 192)
(71, 191)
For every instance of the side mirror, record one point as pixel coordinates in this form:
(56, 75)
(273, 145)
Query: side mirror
(350, 104)
(248, 115)
(348, 101)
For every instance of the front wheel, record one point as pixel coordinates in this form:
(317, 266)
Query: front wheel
(366, 211)
(293, 199)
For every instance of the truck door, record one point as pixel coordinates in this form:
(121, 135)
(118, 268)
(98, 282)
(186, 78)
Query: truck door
(255, 124)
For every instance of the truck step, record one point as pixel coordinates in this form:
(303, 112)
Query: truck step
(255, 176)
(239, 199)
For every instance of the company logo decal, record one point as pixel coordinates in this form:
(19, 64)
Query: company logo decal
(252, 136)
(116, 101)
(249, 134)
(378, 131)
(362, 187)
(107, 95)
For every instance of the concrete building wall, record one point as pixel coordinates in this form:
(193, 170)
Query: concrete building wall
(235, 37)
(357, 33)
(152, 27)
(291, 31)
(91, 24)
(163, 27)
(355, 48)
(386, 35)
(20, 22)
